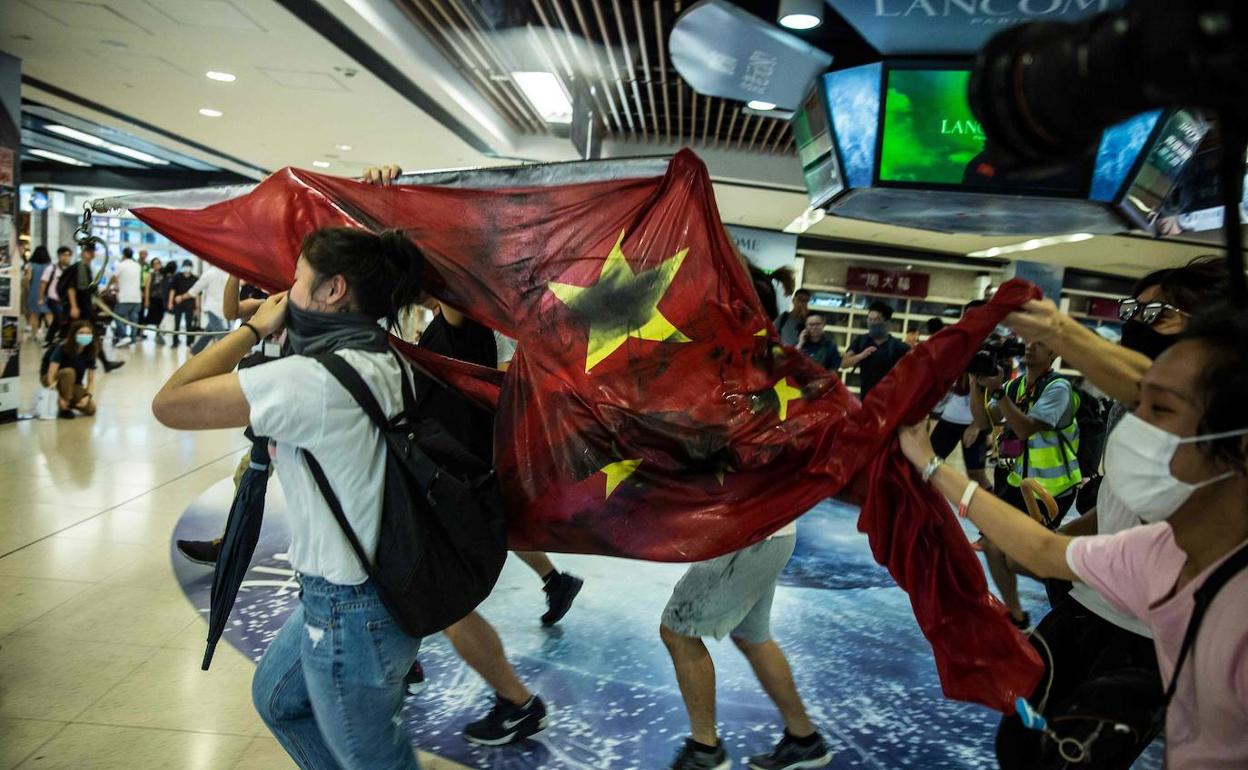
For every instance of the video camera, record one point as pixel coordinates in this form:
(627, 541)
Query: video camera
(994, 357)
(1045, 91)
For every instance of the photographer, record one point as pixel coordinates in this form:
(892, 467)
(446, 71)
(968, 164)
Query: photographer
(1040, 441)
(1180, 464)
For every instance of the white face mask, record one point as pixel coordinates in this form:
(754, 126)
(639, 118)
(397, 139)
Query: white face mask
(1137, 468)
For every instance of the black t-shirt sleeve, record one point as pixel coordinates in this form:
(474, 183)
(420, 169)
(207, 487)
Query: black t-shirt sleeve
(858, 345)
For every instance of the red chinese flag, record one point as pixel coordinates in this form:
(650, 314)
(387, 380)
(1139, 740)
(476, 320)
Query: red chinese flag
(651, 411)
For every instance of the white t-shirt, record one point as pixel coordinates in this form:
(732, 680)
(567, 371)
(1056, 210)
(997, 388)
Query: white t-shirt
(957, 409)
(129, 281)
(298, 404)
(211, 285)
(1112, 517)
(506, 347)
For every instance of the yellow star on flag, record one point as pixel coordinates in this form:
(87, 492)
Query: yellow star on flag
(622, 304)
(786, 393)
(618, 473)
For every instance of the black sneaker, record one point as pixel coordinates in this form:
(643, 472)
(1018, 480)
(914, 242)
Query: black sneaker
(507, 723)
(791, 755)
(112, 366)
(201, 551)
(414, 683)
(691, 758)
(561, 590)
(66, 414)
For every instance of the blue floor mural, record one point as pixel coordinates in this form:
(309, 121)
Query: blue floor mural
(861, 664)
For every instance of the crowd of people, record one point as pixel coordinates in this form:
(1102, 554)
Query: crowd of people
(1137, 620)
(132, 298)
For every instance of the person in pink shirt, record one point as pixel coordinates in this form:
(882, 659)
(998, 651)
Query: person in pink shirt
(1179, 463)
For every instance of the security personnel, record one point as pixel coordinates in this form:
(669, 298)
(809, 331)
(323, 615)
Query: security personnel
(1041, 442)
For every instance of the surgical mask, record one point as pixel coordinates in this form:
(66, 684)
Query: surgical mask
(1137, 468)
(83, 340)
(1144, 339)
(877, 331)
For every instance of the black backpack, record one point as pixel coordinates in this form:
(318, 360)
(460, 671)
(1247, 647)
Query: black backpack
(62, 284)
(443, 536)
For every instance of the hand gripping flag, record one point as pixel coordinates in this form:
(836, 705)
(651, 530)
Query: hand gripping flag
(650, 411)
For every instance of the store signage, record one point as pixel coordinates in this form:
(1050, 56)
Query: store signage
(901, 283)
(1100, 307)
(953, 26)
(766, 249)
(721, 50)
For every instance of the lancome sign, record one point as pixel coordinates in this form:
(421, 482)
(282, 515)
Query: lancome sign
(953, 26)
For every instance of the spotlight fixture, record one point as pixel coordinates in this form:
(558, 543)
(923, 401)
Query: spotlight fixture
(320, 163)
(761, 106)
(343, 147)
(222, 77)
(208, 112)
(800, 14)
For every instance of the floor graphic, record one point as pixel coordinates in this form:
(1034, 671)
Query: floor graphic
(861, 664)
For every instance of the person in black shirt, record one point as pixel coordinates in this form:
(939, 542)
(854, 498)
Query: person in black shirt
(80, 291)
(877, 351)
(180, 303)
(818, 344)
(71, 370)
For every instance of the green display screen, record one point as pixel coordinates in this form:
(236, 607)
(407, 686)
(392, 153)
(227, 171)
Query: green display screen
(929, 133)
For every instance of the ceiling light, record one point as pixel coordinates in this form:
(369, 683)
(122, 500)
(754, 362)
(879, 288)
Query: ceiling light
(320, 163)
(223, 77)
(76, 135)
(208, 112)
(59, 158)
(137, 154)
(800, 14)
(343, 147)
(545, 93)
(1032, 245)
(755, 104)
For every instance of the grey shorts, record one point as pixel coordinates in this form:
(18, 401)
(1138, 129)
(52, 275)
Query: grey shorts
(730, 594)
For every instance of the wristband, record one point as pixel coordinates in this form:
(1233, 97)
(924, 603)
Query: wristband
(930, 468)
(254, 330)
(965, 505)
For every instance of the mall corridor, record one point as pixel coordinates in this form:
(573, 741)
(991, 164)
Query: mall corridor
(100, 649)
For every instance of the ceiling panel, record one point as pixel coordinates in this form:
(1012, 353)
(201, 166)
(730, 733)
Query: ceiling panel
(216, 14)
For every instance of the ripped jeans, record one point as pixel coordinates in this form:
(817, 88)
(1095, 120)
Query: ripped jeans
(330, 686)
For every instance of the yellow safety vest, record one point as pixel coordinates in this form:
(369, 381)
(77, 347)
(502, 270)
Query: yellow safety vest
(1052, 456)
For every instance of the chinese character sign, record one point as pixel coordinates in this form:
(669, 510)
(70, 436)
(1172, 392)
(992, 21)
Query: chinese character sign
(903, 283)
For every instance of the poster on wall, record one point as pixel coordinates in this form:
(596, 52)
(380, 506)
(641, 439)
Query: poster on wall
(10, 300)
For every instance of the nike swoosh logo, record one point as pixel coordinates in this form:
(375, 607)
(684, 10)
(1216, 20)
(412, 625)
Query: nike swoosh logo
(511, 724)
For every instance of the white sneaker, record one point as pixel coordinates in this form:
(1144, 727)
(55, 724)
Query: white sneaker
(127, 342)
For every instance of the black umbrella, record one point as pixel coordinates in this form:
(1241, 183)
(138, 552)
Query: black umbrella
(242, 532)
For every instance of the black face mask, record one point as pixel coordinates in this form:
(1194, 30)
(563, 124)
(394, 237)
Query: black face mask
(312, 332)
(1143, 338)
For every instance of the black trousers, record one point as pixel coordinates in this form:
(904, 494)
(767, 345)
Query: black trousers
(182, 314)
(1102, 675)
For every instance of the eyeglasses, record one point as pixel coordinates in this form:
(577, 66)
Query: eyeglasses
(1148, 313)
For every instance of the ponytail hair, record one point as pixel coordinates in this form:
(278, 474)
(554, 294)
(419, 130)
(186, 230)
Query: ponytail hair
(382, 270)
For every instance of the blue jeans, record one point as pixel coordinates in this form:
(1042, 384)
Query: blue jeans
(215, 324)
(330, 686)
(130, 311)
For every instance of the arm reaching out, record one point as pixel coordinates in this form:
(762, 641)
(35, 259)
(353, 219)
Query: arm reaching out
(1112, 368)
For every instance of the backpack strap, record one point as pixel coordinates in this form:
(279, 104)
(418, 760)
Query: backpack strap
(331, 499)
(1204, 598)
(425, 470)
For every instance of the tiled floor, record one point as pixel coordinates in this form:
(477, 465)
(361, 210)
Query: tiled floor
(99, 648)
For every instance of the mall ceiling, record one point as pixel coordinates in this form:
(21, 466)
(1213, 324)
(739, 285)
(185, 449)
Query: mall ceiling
(345, 84)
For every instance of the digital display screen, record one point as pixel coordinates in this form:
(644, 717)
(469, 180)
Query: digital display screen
(1180, 135)
(813, 134)
(929, 132)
